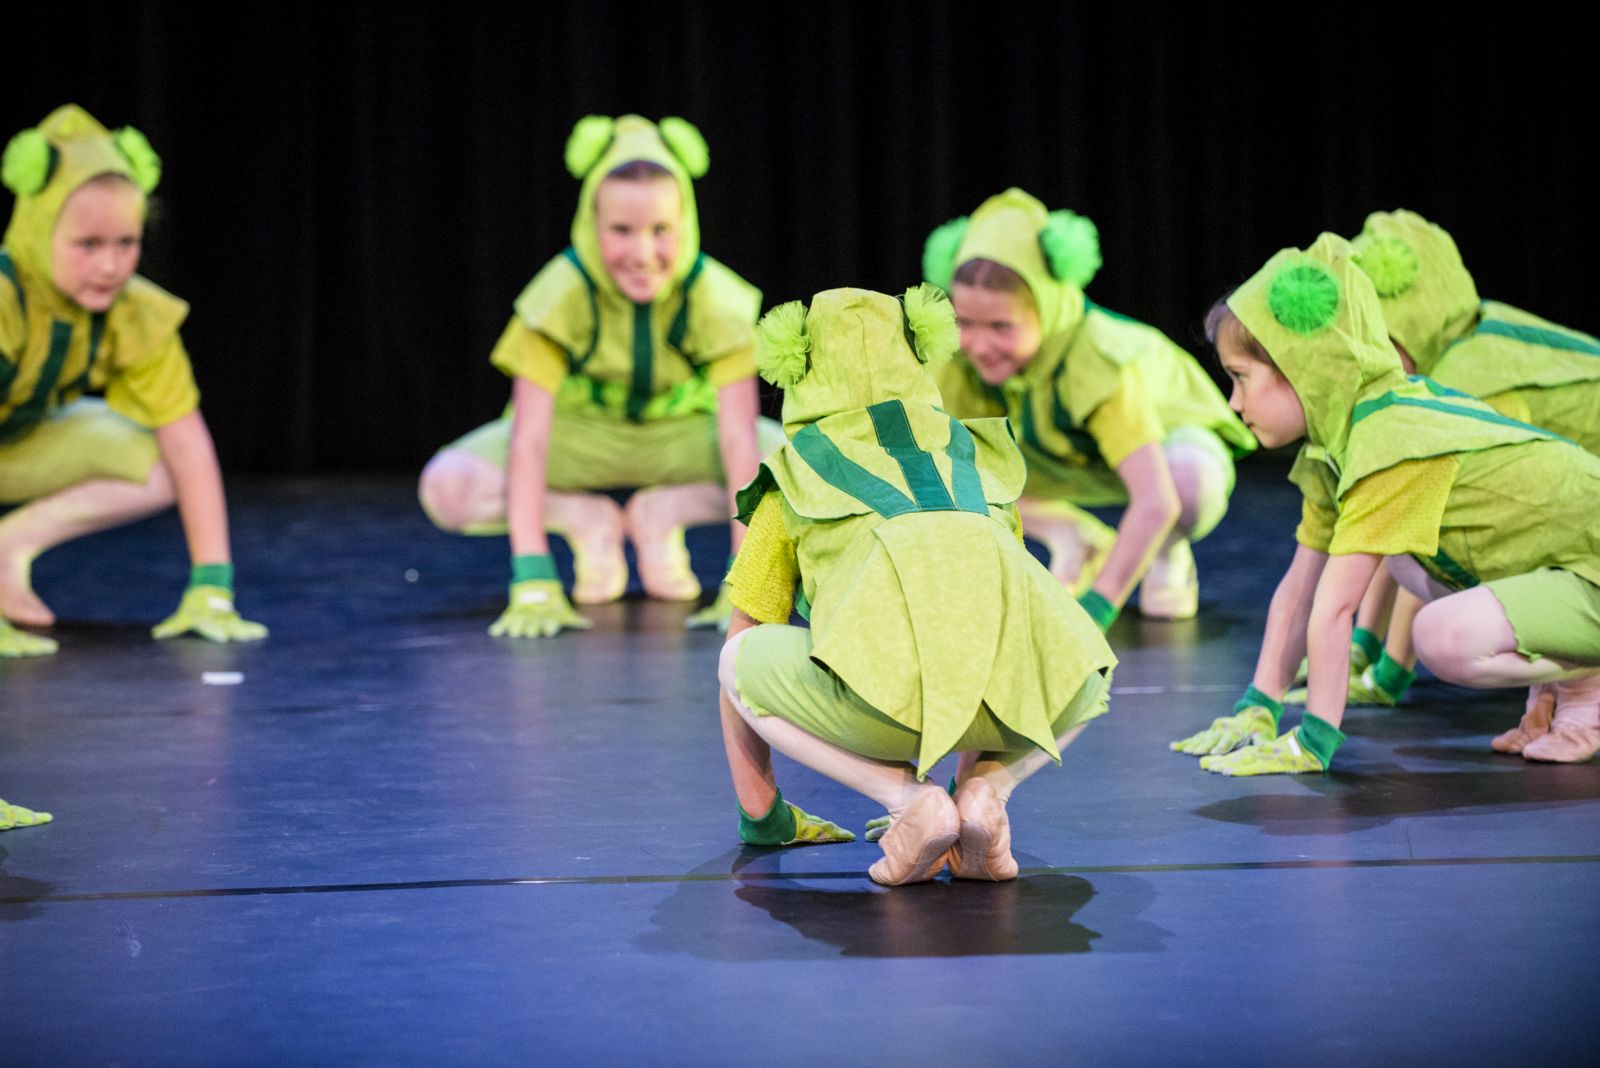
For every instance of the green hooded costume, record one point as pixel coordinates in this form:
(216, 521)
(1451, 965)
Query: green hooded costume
(52, 350)
(922, 601)
(1523, 498)
(1085, 355)
(1518, 363)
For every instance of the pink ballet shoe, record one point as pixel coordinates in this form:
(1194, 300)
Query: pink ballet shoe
(1535, 722)
(656, 520)
(1574, 734)
(915, 848)
(984, 848)
(1171, 588)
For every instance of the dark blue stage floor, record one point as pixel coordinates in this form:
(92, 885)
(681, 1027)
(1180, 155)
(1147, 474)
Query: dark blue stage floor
(399, 841)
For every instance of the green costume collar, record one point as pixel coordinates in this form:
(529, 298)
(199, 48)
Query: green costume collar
(1429, 300)
(599, 145)
(1317, 315)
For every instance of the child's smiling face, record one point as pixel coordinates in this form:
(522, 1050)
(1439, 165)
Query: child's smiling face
(1000, 331)
(639, 229)
(95, 247)
(1261, 394)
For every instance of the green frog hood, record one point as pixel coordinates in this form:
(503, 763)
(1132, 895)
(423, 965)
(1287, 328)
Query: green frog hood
(1317, 314)
(1428, 297)
(600, 144)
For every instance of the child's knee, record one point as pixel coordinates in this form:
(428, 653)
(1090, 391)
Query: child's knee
(1455, 636)
(725, 668)
(1202, 487)
(448, 487)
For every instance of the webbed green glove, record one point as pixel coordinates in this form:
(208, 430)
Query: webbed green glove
(207, 609)
(17, 816)
(15, 642)
(786, 825)
(1254, 721)
(719, 613)
(1365, 648)
(538, 606)
(1383, 683)
(1309, 747)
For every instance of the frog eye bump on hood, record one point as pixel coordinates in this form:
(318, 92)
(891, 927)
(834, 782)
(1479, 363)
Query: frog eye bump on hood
(30, 159)
(1391, 262)
(1304, 298)
(587, 143)
(1071, 247)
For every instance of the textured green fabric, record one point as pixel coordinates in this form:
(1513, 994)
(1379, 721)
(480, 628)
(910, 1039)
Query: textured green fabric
(775, 828)
(1428, 297)
(1254, 698)
(1553, 613)
(74, 443)
(528, 566)
(1320, 738)
(923, 602)
(1102, 611)
(705, 314)
(218, 575)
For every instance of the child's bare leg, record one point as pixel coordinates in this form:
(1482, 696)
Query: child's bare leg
(657, 518)
(1373, 615)
(592, 525)
(463, 493)
(1171, 587)
(85, 508)
(1077, 541)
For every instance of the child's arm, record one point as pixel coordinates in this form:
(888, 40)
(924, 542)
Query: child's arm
(1153, 509)
(1343, 583)
(737, 408)
(538, 606)
(749, 758)
(207, 605)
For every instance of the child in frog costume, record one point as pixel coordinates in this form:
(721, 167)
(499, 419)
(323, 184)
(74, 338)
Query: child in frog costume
(1519, 364)
(1108, 410)
(630, 355)
(892, 527)
(1487, 518)
(76, 319)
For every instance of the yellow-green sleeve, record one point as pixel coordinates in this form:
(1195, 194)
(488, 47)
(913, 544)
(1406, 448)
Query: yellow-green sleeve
(762, 580)
(1127, 421)
(157, 390)
(1397, 511)
(522, 352)
(734, 367)
(13, 334)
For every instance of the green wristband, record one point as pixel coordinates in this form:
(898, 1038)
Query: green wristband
(1102, 611)
(533, 566)
(1254, 698)
(1390, 677)
(1368, 642)
(211, 575)
(775, 828)
(1320, 738)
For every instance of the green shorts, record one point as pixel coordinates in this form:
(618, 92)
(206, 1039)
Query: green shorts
(776, 676)
(595, 450)
(1553, 613)
(72, 444)
(1099, 485)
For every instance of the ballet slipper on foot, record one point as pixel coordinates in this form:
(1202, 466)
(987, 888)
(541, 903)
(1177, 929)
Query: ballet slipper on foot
(656, 519)
(984, 848)
(1535, 722)
(916, 846)
(592, 525)
(1574, 734)
(1171, 588)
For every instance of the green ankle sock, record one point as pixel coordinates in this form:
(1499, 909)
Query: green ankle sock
(1254, 698)
(1320, 738)
(1390, 677)
(775, 828)
(1369, 643)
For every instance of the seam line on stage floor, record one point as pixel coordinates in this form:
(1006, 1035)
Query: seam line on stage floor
(748, 876)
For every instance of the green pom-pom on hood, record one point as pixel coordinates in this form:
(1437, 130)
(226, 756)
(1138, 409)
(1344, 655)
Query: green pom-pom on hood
(73, 148)
(939, 252)
(1071, 245)
(1304, 298)
(783, 347)
(686, 142)
(587, 142)
(135, 147)
(1440, 303)
(27, 163)
(931, 324)
(1318, 317)
(600, 145)
(859, 351)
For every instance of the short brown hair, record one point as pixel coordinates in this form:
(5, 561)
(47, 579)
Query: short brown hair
(637, 170)
(1221, 321)
(987, 274)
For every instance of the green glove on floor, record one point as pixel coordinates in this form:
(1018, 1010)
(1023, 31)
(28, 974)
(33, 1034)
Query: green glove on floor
(207, 609)
(786, 825)
(539, 607)
(718, 613)
(1309, 747)
(17, 816)
(1254, 721)
(15, 642)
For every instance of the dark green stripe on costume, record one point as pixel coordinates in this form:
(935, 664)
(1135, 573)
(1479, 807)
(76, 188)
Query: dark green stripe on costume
(964, 470)
(9, 269)
(847, 476)
(25, 415)
(644, 359)
(680, 322)
(594, 309)
(1533, 335)
(1452, 574)
(889, 422)
(1388, 400)
(97, 331)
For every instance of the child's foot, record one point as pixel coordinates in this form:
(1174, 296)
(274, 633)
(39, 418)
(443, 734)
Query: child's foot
(1535, 721)
(18, 602)
(1077, 542)
(1171, 588)
(984, 848)
(917, 843)
(592, 525)
(656, 520)
(1574, 734)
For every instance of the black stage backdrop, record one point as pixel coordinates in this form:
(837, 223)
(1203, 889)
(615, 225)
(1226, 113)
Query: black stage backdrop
(356, 192)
